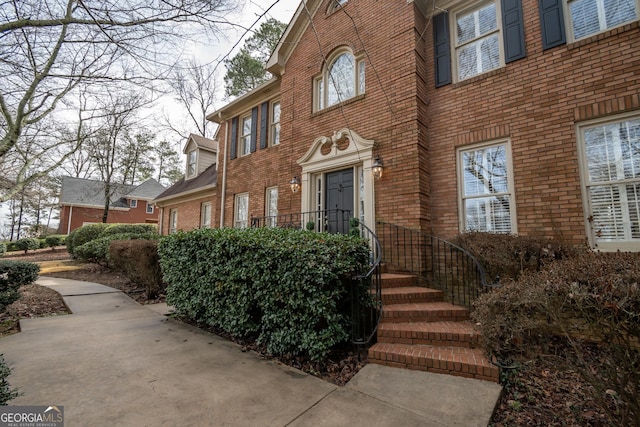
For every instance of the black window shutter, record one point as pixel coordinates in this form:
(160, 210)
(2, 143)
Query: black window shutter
(254, 128)
(264, 114)
(513, 30)
(441, 49)
(234, 138)
(552, 22)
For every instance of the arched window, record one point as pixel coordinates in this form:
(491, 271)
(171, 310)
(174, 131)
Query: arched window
(342, 79)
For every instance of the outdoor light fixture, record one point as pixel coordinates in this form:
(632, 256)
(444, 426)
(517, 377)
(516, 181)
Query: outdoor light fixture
(376, 168)
(295, 184)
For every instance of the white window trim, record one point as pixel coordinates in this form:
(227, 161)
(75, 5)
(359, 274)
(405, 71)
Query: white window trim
(568, 23)
(245, 139)
(510, 182)
(321, 82)
(237, 222)
(274, 125)
(203, 206)
(149, 205)
(584, 172)
(133, 203)
(173, 220)
(454, 44)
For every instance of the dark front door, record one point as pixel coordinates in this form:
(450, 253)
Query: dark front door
(339, 200)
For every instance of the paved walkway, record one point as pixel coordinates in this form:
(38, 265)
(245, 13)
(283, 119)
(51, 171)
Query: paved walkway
(114, 362)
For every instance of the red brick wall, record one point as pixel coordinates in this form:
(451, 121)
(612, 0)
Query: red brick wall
(536, 102)
(189, 213)
(81, 215)
(390, 112)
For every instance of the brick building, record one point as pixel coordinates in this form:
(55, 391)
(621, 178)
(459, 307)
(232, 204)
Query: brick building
(190, 202)
(82, 202)
(504, 116)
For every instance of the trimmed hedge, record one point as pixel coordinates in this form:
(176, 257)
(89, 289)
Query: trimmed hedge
(55, 240)
(287, 287)
(97, 250)
(84, 234)
(138, 260)
(3, 248)
(129, 228)
(14, 274)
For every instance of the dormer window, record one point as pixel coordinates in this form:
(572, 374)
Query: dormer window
(191, 163)
(343, 79)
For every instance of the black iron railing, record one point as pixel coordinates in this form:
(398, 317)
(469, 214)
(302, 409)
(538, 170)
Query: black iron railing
(366, 285)
(436, 262)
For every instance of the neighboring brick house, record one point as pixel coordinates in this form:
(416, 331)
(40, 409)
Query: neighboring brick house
(82, 202)
(190, 202)
(504, 116)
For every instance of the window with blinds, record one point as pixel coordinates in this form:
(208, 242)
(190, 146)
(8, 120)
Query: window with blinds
(486, 189)
(241, 214)
(611, 169)
(271, 206)
(593, 16)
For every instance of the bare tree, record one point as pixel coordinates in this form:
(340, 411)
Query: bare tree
(50, 49)
(118, 119)
(194, 88)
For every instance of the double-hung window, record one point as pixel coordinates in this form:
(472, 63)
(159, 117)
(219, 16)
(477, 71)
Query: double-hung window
(486, 188)
(477, 41)
(610, 166)
(191, 166)
(241, 212)
(133, 203)
(205, 215)
(149, 208)
(173, 221)
(343, 79)
(245, 136)
(275, 123)
(271, 206)
(589, 17)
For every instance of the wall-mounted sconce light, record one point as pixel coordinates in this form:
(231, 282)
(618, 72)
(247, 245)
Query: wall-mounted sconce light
(295, 184)
(377, 167)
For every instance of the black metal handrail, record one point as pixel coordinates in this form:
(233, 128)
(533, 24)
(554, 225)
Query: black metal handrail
(366, 285)
(436, 262)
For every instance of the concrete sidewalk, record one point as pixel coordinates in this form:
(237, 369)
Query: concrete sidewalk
(117, 363)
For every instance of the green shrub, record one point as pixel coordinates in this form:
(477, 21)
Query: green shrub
(97, 250)
(84, 234)
(55, 240)
(591, 299)
(138, 260)
(28, 243)
(14, 274)
(506, 256)
(3, 248)
(287, 287)
(6, 392)
(11, 247)
(129, 228)
(42, 244)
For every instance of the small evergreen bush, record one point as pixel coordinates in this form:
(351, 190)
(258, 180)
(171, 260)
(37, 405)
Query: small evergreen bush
(28, 243)
(6, 392)
(3, 248)
(55, 240)
(287, 287)
(14, 274)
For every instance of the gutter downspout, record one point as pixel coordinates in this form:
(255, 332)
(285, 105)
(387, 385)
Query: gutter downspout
(224, 169)
(70, 216)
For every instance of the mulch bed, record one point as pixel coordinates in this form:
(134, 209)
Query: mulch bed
(34, 301)
(59, 253)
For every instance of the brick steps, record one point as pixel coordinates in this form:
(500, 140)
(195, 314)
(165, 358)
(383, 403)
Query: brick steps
(459, 334)
(418, 330)
(458, 361)
(424, 312)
